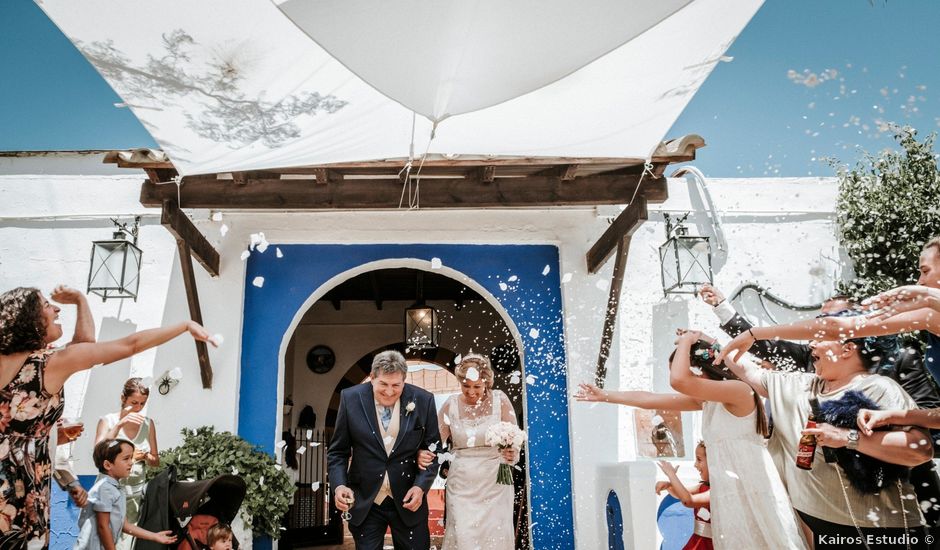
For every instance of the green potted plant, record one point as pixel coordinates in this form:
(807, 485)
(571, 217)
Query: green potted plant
(206, 453)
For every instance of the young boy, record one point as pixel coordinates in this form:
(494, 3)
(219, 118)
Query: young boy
(102, 519)
(219, 537)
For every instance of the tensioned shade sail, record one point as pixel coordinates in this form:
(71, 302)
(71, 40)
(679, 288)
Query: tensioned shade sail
(232, 85)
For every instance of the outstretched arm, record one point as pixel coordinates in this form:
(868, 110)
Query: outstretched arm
(837, 328)
(79, 357)
(868, 419)
(432, 437)
(640, 399)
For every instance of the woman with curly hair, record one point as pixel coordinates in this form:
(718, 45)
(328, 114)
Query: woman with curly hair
(32, 380)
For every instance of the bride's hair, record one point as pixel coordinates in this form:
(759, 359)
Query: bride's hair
(478, 362)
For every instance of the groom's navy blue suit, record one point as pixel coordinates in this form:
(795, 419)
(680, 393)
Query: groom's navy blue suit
(357, 433)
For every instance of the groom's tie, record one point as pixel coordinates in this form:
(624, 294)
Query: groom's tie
(386, 417)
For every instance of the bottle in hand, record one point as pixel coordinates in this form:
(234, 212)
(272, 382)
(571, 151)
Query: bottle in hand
(807, 447)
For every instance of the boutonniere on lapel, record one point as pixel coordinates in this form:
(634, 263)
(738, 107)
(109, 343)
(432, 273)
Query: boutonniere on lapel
(409, 407)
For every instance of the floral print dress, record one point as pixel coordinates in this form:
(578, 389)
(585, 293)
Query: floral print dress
(27, 415)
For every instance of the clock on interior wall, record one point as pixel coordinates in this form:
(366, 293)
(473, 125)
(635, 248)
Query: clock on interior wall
(320, 359)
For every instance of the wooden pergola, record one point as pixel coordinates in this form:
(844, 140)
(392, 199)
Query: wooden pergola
(464, 182)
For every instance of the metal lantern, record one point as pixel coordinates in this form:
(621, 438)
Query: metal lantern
(115, 264)
(421, 330)
(686, 259)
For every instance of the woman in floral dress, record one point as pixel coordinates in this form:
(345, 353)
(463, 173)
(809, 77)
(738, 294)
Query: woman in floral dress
(32, 379)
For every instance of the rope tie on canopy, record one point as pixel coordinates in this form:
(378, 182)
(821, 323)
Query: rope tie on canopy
(414, 198)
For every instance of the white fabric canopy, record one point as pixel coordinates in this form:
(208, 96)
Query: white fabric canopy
(230, 85)
(447, 58)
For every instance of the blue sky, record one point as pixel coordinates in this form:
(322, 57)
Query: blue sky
(810, 79)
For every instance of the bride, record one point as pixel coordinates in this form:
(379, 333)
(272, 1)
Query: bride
(479, 511)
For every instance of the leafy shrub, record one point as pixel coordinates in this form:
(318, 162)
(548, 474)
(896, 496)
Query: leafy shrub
(206, 453)
(888, 207)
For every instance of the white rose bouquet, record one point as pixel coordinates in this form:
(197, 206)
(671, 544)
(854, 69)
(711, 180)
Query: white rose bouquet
(505, 435)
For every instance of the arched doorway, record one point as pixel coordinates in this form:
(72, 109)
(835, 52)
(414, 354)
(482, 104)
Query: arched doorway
(521, 282)
(347, 321)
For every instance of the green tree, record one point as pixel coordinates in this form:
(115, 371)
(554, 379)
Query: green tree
(206, 453)
(888, 207)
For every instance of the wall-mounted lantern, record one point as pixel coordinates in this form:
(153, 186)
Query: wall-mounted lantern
(686, 259)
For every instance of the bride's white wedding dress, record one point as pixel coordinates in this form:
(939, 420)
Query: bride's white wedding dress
(479, 511)
(749, 504)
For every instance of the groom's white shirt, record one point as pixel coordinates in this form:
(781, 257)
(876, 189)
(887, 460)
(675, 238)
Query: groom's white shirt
(388, 438)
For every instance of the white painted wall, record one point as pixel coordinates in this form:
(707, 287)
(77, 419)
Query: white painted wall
(779, 233)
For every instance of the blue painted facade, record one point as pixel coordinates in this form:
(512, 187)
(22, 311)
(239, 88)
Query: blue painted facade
(63, 516)
(524, 279)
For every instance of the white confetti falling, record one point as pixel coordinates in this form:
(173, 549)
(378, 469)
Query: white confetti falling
(704, 514)
(503, 286)
(309, 433)
(513, 279)
(696, 371)
(436, 263)
(533, 333)
(514, 379)
(216, 216)
(315, 444)
(530, 379)
(301, 450)
(546, 270)
(387, 439)
(315, 486)
(258, 281)
(223, 229)
(473, 374)
(281, 444)
(261, 481)
(245, 255)
(277, 252)
(658, 419)
(731, 474)
(566, 278)
(432, 447)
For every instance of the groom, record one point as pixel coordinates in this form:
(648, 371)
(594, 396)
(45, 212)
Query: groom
(383, 425)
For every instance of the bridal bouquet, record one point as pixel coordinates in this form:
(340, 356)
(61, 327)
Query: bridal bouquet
(505, 435)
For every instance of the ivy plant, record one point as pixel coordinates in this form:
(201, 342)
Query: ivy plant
(206, 453)
(888, 207)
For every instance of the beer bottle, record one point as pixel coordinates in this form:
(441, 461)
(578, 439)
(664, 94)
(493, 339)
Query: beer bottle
(807, 447)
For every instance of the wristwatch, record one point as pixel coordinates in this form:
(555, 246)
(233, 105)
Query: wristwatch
(852, 442)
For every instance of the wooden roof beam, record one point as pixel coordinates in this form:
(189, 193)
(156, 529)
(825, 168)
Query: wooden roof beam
(522, 192)
(623, 226)
(179, 224)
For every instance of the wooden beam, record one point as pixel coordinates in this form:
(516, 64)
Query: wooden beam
(541, 191)
(176, 221)
(570, 172)
(160, 175)
(613, 305)
(195, 313)
(323, 175)
(623, 226)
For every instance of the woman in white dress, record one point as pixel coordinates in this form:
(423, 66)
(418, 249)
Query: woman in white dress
(749, 504)
(479, 511)
(133, 426)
